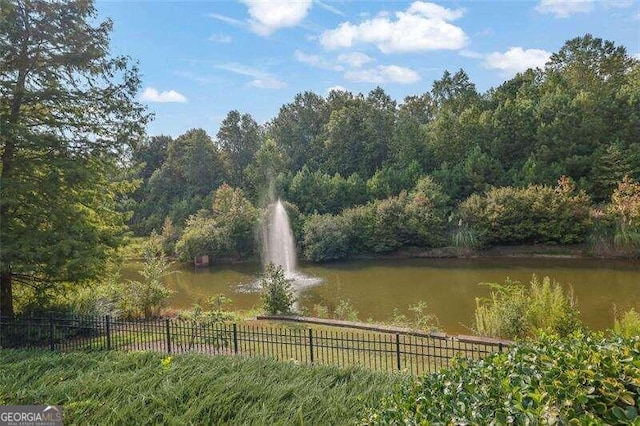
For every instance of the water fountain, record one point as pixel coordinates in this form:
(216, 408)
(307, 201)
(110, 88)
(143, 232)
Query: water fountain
(280, 247)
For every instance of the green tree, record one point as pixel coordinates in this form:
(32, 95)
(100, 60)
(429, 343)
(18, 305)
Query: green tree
(277, 292)
(239, 139)
(183, 184)
(227, 230)
(298, 129)
(67, 113)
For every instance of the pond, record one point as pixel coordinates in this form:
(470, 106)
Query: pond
(449, 286)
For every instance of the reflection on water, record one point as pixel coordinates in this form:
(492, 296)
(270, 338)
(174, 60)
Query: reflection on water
(449, 286)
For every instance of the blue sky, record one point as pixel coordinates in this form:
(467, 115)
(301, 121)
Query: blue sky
(201, 59)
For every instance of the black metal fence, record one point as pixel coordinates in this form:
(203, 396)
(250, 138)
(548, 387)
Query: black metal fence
(415, 352)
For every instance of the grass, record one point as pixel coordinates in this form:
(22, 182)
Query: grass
(145, 387)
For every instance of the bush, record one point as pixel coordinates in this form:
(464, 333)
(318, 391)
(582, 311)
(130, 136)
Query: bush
(146, 298)
(414, 219)
(345, 311)
(536, 214)
(616, 230)
(326, 237)
(418, 318)
(515, 311)
(627, 324)
(550, 381)
(277, 293)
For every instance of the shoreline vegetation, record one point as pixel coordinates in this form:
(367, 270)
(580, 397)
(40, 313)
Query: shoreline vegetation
(132, 251)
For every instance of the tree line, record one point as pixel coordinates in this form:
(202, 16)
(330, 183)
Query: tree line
(352, 158)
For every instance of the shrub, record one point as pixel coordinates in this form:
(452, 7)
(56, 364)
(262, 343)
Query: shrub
(277, 293)
(147, 297)
(515, 311)
(414, 219)
(536, 214)
(418, 318)
(584, 378)
(627, 324)
(345, 311)
(326, 238)
(465, 238)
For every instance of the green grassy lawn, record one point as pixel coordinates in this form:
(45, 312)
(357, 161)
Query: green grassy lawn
(144, 387)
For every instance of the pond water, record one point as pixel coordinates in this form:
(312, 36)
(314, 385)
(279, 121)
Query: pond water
(449, 286)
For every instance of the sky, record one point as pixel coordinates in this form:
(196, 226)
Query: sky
(201, 59)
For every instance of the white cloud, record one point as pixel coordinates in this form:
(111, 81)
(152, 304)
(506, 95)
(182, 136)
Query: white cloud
(337, 88)
(267, 83)
(151, 94)
(383, 74)
(267, 16)
(220, 38)
(564, 8)
(354, 59)
(423, 26)
(260, 79)
(329, 7)
(516, 59)
(315, 61)
(636, 56)
(227, 19)
(435, 11)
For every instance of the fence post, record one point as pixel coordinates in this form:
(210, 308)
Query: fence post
(398, 349)
(108, 325)
(500, 347)
(51, 342)
(168, 323)
(235, 338)
(311, 344)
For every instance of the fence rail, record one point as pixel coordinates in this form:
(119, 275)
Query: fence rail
(380, 350)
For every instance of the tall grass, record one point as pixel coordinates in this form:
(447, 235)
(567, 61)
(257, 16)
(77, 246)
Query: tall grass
(515, 311)
(627, 324)
(143, 388)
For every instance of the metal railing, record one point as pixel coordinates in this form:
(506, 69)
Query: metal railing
(413, 352)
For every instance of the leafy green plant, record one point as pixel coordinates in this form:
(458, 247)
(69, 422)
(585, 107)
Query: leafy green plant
(418, 318)
(277, 292)
(581, 379)
(345, 311)
(320, 310)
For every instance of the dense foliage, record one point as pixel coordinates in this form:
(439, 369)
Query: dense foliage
(348, 163)
(581, 379)
(68, 116)
(415, 218)
(139, 388)
(536, 214)
(514, 310)
(224, 231)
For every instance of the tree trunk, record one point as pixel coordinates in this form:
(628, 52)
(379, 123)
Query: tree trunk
(6, 294)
